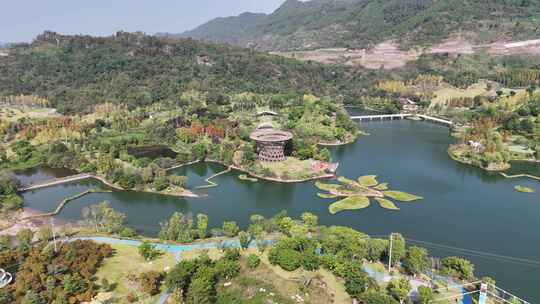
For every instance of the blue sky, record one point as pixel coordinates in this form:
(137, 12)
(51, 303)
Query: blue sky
(22, 20)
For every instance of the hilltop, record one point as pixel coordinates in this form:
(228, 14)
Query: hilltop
(224, 30)
(77, 72)
(315, 24)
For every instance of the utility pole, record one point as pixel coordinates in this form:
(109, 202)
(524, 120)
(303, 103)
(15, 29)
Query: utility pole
(390, 253)
(53, 235)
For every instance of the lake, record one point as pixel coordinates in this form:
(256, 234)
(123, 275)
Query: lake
(463, 206)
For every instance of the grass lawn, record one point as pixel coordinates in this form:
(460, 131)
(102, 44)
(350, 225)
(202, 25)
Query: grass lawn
(126, 260)
(291, 168)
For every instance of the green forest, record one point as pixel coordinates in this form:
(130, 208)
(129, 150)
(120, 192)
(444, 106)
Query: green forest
(360, 23)
(77, 72)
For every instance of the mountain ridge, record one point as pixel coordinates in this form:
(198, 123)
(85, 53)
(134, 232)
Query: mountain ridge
(308, 25)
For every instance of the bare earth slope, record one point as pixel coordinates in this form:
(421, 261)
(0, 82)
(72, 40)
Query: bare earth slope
(387, 55)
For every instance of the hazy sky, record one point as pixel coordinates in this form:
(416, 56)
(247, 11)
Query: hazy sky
(22, 20)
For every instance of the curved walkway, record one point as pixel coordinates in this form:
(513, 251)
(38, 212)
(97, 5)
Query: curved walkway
(171, 248)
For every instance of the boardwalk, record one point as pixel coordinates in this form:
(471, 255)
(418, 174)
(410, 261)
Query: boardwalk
(54, 182)
(402, 116)
(381, 117)
(63, 180)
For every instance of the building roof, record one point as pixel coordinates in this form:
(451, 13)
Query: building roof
(270, 135)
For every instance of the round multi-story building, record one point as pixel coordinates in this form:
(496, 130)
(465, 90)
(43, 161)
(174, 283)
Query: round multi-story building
(271, 144)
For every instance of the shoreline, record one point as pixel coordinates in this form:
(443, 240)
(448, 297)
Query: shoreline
(271, 179)
(500, 172)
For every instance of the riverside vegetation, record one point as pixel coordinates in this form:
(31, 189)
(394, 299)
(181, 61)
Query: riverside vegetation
(327, 255)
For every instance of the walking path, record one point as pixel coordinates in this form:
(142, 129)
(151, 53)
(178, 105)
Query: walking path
(174, 249)
(67, 179)
(209, 180)
(63, 203)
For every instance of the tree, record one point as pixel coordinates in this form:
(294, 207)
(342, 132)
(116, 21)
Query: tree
(202, 289)
(5, 243)
(425, 295)
(376, 297)
(285, 224)
(356, 280)
(31, 297)
(202, 225)
(288, 259)
(416, 260)
(104, 218)
(376, 249)
(230, 228)
(227, 268)
(45, 233)
(150, 282)
(177, 180)
(161, 183)
(257, 219)
(178, 228)
(457, 267)
(324, 155)
(310, 219)
(179, 277)
(5, 297)
(399, 289)
(74, 284)
(148, 251)
(253, 261)
(244, 239)
(25, 236)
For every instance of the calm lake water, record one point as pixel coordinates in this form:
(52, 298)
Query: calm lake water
(463, 206)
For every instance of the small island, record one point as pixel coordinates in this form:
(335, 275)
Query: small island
(356, 194)
(524, 189)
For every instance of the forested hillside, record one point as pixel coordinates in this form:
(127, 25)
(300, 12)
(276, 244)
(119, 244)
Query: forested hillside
(76, 72)
(361, 23)
(227, 30)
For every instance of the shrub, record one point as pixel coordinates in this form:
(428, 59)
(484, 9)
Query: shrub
(161, 183)
(253, 261)
(227, 269)
(310, 261)
(425, 295)
(150, 282)
(457, 267)
(288, 259)
(230, 228)
(244, 238)
(232, 254)
(127, 232)
(148, 251)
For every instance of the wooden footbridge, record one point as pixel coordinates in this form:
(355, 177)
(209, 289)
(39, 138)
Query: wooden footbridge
(402, 116)
(54, 182)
